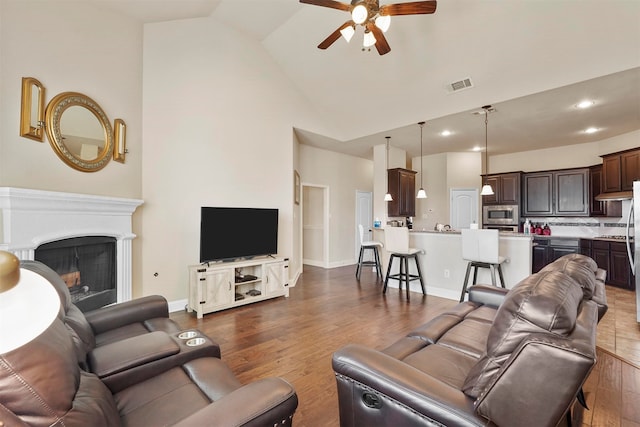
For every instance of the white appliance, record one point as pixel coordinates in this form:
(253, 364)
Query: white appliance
(635, 206)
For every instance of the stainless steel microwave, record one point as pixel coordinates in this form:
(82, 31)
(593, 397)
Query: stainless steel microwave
(500, 215)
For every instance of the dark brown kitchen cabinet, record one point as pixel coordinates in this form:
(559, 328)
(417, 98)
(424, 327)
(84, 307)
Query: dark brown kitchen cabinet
(629, 169)
(402, 187)
(548, 249)
(572, 192)
(610, 208)
(620, 272)
(612, 257)
(562, 192)
(537, 197)
(506, 189)
(619, 170)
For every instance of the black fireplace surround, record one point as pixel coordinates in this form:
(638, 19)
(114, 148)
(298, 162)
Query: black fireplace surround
(87, 265)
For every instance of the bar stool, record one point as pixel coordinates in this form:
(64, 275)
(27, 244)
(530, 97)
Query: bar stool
(396, 241)
(371, 245)
(481, 249)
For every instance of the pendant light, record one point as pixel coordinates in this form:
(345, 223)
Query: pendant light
(421, 193)
(387, 197)
(486, 188)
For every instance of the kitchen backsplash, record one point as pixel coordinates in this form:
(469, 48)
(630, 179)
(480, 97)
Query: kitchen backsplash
(587, 227)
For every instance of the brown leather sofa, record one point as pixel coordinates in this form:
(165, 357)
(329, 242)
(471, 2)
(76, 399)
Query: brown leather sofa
(127, 342)
(143, 375)
(503, 358)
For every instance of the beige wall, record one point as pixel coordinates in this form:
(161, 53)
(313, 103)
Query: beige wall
(343, 175)
(69, 47)
(568, 156)
(218, 124)
(442, 172)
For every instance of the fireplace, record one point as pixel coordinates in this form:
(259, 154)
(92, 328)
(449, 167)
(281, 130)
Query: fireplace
(32, 220)
(88, 267)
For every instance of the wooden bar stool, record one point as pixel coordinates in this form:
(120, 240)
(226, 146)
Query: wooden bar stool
(368, 245)
(481, 248)
(396, 241)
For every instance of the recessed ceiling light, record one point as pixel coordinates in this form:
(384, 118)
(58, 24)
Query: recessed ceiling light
(477, 148)
(585, 104)
(591, 130)
(445, 132)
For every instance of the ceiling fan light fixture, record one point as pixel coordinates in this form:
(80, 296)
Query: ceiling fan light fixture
(383, 22)
(369, 39)
(360, 13)
(348, 32)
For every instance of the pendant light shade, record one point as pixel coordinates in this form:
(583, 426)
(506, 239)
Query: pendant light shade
(487, 190)
(387, 197)
(421, 193)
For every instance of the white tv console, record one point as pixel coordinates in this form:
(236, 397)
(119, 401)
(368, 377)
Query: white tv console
(220, 285)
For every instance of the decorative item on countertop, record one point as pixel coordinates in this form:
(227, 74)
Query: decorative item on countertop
(409, 222)
(546, 230)
(376, 223)
(526, 228)
(538, 229)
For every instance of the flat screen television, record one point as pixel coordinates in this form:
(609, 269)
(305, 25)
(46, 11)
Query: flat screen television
(232, 233)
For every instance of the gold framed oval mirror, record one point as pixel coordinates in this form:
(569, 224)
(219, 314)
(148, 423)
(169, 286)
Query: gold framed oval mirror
(79, 131)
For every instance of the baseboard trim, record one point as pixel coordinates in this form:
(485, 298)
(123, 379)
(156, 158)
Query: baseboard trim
(178, 305)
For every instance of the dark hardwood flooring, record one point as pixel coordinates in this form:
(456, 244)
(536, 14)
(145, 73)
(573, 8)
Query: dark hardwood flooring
(295, 337)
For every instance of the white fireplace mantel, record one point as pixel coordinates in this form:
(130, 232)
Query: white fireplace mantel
(29, 218)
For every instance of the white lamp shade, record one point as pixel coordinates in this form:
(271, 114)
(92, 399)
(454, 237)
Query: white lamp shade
(421, 194)
(487, 190)
(369, 39)
(347, 33)
(26, 310)
(383, 22)
(359, 14)
(388, 198)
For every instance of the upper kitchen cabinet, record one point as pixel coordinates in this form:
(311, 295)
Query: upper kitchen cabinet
(619, 170)
(608, 208)
(402, 187)
(556, 193)
(506, 189)
(537, 197)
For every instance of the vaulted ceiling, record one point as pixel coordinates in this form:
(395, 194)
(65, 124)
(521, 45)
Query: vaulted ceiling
(532, 60)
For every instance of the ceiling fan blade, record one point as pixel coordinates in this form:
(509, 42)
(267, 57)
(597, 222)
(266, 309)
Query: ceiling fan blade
(412, 8)
(328, 3)
(381, 42)
(334, 36)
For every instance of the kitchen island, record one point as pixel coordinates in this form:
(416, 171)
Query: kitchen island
(443, 268)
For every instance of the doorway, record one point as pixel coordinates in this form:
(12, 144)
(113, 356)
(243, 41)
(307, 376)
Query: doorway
(464, 208)
(315, 225)
(364, 216)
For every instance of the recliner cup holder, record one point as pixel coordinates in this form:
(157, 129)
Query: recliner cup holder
(187, 335)
(193, 342)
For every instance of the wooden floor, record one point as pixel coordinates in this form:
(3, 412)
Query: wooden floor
(295, 337)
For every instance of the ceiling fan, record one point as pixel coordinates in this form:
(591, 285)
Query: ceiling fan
(373, 17)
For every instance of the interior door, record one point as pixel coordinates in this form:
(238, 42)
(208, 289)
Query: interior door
(364, 216)
(464, 208)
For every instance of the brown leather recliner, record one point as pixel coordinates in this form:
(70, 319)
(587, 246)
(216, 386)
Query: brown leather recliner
(144, 378)
(128, 342)
(41, 384)
(502, 358)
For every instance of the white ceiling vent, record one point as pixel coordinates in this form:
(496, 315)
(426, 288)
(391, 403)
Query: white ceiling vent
(459, 85)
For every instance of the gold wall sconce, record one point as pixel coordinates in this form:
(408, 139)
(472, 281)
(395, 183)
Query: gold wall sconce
(32, 111)
(120, 140)
(77, 128)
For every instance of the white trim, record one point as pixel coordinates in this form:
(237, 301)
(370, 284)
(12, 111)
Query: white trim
(30, 218)
(178, 305)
